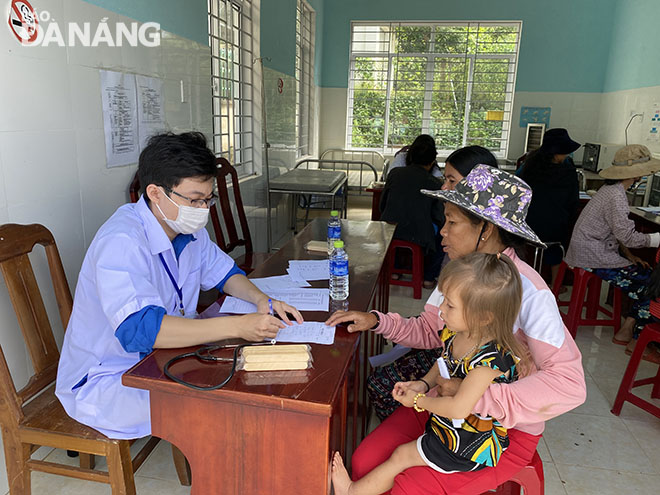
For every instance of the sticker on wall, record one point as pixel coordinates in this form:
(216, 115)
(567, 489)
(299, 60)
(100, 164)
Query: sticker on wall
(654, 124)
(23, 22)
(535, 115)
(280, 85)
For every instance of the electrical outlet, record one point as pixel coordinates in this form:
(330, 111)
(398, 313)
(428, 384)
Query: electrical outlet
(634, 113)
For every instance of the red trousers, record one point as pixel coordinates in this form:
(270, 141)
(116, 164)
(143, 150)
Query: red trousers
(405, 425)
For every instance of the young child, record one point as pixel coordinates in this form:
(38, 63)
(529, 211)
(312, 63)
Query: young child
(482, 296)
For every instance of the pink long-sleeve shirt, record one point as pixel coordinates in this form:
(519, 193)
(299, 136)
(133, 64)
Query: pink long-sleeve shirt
(556, 383)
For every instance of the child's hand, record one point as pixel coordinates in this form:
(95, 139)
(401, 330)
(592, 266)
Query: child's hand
(448, 387)
(404, 394)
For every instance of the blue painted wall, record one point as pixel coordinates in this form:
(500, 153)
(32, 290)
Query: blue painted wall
(278, 35)
(633, 60)
(565, 44)
(186, 18)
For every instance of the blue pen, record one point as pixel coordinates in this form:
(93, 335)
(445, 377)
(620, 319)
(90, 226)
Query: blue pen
(270, 310)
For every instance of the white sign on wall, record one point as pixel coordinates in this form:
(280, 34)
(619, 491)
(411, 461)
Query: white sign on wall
(119, 118)
(133, 111)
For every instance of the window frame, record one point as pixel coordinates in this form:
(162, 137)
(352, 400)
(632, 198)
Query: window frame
(304, 70)
(431, 57)
(233, 113)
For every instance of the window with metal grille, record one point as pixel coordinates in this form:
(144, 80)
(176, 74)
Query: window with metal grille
(452, 80)
(305, 25)
(231, 41)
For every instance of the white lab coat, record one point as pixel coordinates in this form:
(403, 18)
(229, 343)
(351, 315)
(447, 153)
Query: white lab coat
(120, 275)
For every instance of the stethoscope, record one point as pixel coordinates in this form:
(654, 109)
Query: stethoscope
(204, 354)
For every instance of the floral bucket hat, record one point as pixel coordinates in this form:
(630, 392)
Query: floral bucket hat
(495, 196)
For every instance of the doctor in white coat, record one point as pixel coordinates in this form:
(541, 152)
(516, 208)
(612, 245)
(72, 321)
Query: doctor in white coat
(139, 285)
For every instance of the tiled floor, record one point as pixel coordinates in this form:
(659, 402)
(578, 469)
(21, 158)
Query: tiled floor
(586, 451)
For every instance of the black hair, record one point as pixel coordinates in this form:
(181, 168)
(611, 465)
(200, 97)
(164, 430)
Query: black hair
(465, 159)
(611, 182)
(422, 151)
(169, 158)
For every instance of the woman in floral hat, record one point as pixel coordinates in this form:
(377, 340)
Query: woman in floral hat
(603, 236)
(484, 213)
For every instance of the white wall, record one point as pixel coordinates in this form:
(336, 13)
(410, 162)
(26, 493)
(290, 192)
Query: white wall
(52, 149)
(617, 108)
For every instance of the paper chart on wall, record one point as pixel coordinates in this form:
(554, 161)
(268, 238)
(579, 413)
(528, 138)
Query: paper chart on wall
(119, 118)
(150, 108)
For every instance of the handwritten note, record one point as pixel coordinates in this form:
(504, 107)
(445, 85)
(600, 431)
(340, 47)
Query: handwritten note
(280, 282)
(309, 332)
(301, 299)
(310, 269)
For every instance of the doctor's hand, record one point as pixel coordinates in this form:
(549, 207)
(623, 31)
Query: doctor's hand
(258, 327)
(361, 321)
(281, 309)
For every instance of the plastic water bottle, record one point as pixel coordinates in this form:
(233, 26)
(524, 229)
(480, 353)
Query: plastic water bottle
(339, 273)
(334, 230)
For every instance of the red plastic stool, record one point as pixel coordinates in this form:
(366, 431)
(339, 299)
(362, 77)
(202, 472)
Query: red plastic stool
(650, 333)
(586, 283)
(530, 479)
(417, 270)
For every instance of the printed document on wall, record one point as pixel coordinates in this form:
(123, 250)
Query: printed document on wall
(150, 107)
(119, 118)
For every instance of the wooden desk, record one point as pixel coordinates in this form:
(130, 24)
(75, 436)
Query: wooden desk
(273, 432)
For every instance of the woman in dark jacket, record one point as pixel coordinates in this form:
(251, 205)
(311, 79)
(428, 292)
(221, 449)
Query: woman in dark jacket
(551, 174)
(418, 217)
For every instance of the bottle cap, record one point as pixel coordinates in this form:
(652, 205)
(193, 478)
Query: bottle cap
(334, 213)
(339, 244)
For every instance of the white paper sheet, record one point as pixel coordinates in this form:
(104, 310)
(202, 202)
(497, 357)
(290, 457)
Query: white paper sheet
(150, 108)
(280, 282)
(309, 332)
(650, 209)
(119, 118)
(310, 269)
(301, 299)
(444, 373)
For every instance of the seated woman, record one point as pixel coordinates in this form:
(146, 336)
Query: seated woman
(399, 160)
(551, 174)
(417, 363)
(484, 213)
(418, 217)
(604, 232)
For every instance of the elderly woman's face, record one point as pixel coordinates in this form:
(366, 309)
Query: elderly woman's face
(459, 234)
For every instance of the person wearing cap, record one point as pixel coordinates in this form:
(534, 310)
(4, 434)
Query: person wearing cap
(418, 217)
(551, 174)
(485, 212)
(604, 233)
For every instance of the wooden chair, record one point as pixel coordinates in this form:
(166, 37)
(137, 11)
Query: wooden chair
(250, 260)
(33, 416)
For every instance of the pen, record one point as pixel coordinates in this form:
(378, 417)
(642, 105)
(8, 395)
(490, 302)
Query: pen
(270, 310)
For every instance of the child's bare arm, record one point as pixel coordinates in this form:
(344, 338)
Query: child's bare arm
(470, 391)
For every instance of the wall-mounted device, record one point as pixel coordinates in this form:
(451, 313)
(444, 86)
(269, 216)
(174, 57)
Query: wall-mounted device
(598, 156)
(534, 136)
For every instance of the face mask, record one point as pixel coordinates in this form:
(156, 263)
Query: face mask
(188, 221)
